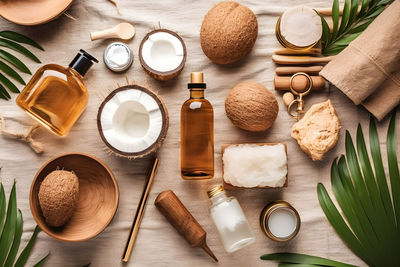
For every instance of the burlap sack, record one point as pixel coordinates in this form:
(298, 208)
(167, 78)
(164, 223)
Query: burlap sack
(368, 70)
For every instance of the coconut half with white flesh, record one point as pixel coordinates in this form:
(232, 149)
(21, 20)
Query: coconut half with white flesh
(132, 121)
(162, 53)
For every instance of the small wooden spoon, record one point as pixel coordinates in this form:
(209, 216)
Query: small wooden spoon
(124, 31)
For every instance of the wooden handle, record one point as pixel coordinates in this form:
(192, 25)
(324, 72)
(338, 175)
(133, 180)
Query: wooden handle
(139, 213)
(105, 34)
(299, 60)
(288, 51)
(300, 83)
(292, 70)
(182, 220)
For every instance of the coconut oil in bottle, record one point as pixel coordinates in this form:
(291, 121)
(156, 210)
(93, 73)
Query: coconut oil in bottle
(197, 132)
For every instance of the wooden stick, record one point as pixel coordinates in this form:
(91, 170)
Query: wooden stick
(282, 83)
(139, 213)
(290, 70)
(300, 60)
(288, 51)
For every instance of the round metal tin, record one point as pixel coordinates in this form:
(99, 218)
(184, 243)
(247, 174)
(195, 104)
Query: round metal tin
(112, 66)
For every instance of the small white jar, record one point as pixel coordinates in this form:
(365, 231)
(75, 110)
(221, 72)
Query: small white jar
(228, 217)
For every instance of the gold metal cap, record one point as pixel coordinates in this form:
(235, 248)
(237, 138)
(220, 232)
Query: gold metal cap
(196, 77)
(216, 189)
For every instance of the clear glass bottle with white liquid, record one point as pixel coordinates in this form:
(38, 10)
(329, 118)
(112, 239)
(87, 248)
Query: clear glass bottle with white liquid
(230, 220)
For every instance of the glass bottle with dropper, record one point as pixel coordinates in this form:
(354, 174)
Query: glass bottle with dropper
(197, 132)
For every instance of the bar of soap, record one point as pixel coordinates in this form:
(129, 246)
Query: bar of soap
(254, 165)
(318, 131)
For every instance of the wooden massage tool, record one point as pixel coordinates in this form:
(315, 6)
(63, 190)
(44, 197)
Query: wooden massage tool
(182, 220)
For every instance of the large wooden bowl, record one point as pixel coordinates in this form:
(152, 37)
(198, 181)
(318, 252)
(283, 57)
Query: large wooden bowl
(98, 197)
(32, 12)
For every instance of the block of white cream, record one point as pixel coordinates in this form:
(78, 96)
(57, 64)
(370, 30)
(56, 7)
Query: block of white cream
(255, 165)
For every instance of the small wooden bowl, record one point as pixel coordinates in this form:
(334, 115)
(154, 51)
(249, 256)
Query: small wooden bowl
(32, 12)
(98, 197)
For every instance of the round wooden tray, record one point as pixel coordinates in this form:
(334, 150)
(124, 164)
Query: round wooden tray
(98, 197)
(32, 12)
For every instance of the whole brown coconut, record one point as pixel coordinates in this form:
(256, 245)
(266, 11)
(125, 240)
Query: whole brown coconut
(228, 32)
(58, 197)
(252, 107)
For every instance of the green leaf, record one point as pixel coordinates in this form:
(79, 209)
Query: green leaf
(12, 73)
(346, 40)
(335, 17)
(3, 93)
(376, 13)
(2, 207)
(15, 61)
(9, 227)
(353, 11)
(303, 259)
(19, 48)
(364, 6)
(345, 16)
(297, 265)
(42, 261)
(23, 257)
(333, 50)
(17, 239)
(393, 167)
(325, 30)
(20, 38)
(360, 28)
(4, 80)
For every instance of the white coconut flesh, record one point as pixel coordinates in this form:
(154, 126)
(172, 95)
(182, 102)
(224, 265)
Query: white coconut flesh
(131, 121)
(163, 52)
(301, 26)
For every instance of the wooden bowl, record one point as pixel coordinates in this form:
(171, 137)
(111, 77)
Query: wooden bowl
(98, 197)
(32, 12)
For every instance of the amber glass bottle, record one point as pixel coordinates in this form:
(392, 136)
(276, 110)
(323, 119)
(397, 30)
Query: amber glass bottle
(56, 96)
(197, 132)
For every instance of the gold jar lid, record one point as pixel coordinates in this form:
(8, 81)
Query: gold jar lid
(273, 207)
(215, 190)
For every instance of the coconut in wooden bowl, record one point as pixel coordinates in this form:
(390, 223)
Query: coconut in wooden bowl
(97, 202)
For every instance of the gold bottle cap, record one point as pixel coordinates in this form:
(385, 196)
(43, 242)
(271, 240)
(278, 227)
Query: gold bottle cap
(196, 77)
(216, 189)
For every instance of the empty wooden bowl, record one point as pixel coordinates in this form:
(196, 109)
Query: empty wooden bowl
(32, 12)
(98, 197)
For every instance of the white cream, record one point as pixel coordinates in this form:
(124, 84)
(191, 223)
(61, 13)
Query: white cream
(282, 222)
(118, 56)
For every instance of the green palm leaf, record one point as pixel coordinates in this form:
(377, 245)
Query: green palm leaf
(20, 38)
(371, 227)
(11, 232)
(4, 80)
(12, 73)
(9, 226)
(42, 261)
(19, 48)
(3, 93)
(351, 24)
(15, 61)
(294, 259)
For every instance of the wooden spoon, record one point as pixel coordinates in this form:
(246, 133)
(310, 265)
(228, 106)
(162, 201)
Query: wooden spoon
(124, 31)
(299, 60)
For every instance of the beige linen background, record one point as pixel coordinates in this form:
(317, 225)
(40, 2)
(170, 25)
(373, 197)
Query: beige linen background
(158, 244)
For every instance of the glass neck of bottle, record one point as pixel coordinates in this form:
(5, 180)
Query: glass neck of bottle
(219, 197)
(196, 93)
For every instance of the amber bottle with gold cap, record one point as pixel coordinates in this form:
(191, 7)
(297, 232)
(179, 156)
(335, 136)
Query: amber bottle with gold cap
(197, 132)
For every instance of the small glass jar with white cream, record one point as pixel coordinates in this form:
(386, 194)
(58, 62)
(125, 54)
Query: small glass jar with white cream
(118, 57)
(230, 220)
(280, 221)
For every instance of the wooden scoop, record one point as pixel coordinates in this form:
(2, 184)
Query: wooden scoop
(300, 60)
(124, 31)
(177, 214)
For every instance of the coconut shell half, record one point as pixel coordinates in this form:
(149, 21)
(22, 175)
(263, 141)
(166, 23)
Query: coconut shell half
(157, 74)
(164, 125)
